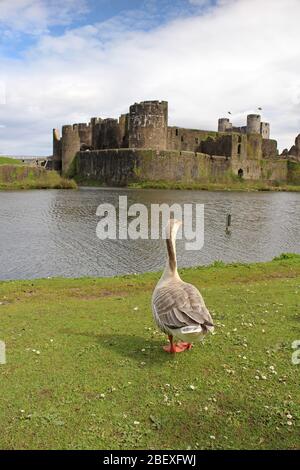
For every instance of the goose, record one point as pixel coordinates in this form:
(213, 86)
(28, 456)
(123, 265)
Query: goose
(178, 307)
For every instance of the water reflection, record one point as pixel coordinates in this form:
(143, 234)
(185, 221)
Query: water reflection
(53, 233)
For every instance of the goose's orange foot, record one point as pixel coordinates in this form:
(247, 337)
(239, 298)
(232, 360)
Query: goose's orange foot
(174, 348)
(185, 345)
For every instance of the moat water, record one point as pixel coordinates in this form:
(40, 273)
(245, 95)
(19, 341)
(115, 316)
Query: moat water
(53, 232)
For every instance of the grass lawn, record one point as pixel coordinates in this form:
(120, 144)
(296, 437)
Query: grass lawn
(85, 366)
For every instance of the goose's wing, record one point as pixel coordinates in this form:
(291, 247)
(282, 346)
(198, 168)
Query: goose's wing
(179, 304)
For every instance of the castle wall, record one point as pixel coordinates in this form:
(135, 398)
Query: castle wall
(85, 133)
(265, 130)
(123, 166)
(109, 135)
(254, 147)
(70, 145)
(222, 145)
(274, 170)
(294, 151)
(293, 172)
(57, 151)
(250, 169)
(179, 138)
(148, 123)
(269, 148)
(95, 126)
(268, 170)
(124, 129)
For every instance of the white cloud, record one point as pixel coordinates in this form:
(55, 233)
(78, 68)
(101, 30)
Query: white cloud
(238, 56)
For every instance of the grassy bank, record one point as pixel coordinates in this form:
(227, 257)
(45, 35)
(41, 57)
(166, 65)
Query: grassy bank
(9, 161)
(85, 367)
(28, 177)
(240, 185)
(230, 186)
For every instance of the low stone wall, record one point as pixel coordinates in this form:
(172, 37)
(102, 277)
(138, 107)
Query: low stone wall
(274, 170)
(122, 166)
(293, 172)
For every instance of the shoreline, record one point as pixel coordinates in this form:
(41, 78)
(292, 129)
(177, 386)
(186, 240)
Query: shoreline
(216, 265)
(244, 186)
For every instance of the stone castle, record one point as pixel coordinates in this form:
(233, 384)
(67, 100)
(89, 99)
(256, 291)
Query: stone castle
(141, 146)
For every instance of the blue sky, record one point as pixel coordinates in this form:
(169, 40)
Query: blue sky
(63, 62)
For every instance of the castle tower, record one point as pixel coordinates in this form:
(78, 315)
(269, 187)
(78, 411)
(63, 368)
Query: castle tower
(85, 133)
(124, 129)
(109, 134)
(70, 145)
(148, 125)
(95, 128)
(265, 130)
(224, 124)
(56, 150)
(253, 124)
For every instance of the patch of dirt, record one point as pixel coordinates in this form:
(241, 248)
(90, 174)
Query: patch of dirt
(77, 293)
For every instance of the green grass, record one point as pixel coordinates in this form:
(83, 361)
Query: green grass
(30, 177)
(86, 369)
(242, 185)
(9, 161)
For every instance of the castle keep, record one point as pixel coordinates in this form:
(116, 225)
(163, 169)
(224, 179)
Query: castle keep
(141, 146)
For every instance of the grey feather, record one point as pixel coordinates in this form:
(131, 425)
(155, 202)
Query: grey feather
(179, 304)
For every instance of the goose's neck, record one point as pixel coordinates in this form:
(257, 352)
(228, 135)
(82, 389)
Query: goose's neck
(171, 264)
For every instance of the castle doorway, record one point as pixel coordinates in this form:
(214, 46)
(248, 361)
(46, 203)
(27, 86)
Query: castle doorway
(240, 173)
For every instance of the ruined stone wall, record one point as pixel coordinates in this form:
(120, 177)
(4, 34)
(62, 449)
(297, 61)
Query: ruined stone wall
(254, 147)
(222, 145)
(85, 133)
(294, 151)
(265, 130)
(247, 169)
(293, 172)
(274, 170)
(120, 167)
(267, 170)
(269, 148)
(124, 129)
(148, 123)
(95, 125)
(179, 138)
(109, 135)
